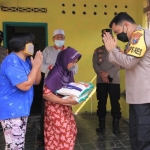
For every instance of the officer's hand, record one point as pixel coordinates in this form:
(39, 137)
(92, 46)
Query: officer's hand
(110, 43)
(105, 80)
(103, 74)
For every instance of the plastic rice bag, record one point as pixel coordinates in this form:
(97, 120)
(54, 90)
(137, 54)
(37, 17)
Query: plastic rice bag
(78, 99)
(79, 91)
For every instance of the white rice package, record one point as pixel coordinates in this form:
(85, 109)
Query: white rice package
(79, 99)
(80, 90)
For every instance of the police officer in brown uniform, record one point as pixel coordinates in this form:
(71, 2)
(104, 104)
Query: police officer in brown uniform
(3, 50)
(108, 83)
(136, 62)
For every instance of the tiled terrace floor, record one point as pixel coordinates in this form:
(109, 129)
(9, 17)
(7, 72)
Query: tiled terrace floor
(87, 138)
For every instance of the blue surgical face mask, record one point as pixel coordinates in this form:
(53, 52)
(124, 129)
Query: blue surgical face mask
(71, 68)
(59, 43)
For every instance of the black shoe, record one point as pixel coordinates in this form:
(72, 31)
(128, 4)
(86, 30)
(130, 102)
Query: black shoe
(101, 126)
(100, 129)
(116, 130)
(116, 126)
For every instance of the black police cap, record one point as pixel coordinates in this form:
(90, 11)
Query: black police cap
(106, 30)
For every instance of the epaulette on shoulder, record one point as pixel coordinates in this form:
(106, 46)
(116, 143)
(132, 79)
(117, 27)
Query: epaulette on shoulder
(137, 46)
(95, 51)
(101, 47)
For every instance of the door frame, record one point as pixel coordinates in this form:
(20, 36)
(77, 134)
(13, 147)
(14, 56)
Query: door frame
(27, 24)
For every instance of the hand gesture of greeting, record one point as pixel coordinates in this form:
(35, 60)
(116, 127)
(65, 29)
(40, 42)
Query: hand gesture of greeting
(37, 60)
(110, 43)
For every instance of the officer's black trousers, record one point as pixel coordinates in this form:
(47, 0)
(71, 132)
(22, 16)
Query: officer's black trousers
(139, 124)
(103, 89)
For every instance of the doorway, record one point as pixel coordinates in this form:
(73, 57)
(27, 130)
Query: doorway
(41, 41)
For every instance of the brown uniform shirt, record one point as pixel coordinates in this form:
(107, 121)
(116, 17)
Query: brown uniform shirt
(3, 53)
(101, 63)
(137, 71)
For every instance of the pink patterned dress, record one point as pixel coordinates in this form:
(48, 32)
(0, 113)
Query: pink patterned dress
(59, 126)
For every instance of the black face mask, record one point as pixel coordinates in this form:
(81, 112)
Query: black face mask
(122, 36)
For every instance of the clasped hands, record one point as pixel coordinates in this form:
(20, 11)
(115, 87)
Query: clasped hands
(104, 76)
(109, 41)
(37, 60)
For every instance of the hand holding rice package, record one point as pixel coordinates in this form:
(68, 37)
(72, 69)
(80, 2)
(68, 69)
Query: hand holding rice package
(80, 91)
